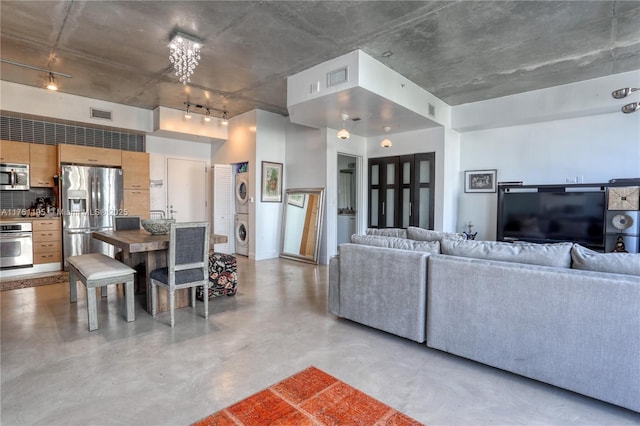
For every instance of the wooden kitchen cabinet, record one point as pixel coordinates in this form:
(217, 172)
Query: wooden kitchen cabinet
(43, 165)
(14, 152)
(47, 241)
(77, 154)
(135, 166)
(136, 202)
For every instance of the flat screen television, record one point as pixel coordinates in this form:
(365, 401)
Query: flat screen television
(550, 217)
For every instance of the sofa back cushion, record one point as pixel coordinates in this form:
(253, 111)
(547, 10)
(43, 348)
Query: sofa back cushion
(388, 232)
(618, 263)
(557, 255)
(421, 234)
(432, 247)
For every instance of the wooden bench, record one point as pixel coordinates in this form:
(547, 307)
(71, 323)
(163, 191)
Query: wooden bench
(97, 270)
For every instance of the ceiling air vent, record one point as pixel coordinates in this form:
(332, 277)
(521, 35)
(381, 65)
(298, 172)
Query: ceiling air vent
(338, 76)
(98, 113)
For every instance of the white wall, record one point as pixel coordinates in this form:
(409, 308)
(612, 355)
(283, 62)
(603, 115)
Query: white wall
(595, 148)
(306, 167)
(270, 146)
(46, 103)
(163, 149)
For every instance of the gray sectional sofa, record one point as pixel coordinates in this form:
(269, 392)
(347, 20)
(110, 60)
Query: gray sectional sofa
(558, 313)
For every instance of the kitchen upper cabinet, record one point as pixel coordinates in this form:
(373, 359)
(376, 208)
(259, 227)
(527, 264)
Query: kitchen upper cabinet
(135, 166)
(77, 154)
(43, 165)
(14, 152)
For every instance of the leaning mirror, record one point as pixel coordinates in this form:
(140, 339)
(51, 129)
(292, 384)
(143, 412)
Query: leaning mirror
(301, 224)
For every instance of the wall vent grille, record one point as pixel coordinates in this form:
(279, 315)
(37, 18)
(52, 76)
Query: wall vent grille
(432, 110)
(101, 114)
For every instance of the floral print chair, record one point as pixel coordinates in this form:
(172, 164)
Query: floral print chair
(223, 276)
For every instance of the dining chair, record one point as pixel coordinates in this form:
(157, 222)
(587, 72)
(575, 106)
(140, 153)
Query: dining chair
(129, 223)
(187, 265)
(126, 223)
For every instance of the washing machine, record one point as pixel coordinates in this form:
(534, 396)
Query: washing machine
(242, 193)
(242, 234)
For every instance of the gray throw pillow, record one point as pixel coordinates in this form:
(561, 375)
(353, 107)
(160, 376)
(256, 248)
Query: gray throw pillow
(432, 247)
(388, 232)
(557, 255)
(618, 263)
(421, 234)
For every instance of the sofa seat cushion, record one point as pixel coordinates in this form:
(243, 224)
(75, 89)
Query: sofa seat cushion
(387, 232)
(618, 263)
(556, 255)
(421, 234)
(432, 247)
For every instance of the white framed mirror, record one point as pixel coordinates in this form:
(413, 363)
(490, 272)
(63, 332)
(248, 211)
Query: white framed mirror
(302, 224)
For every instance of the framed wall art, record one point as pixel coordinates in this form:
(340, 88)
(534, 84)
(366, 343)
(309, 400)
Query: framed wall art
(271, 182)
(480, 181)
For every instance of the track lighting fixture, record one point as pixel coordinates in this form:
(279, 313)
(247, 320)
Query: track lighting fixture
(51, 84)
(187, 114)
(225, 118)
(344, 133)
(386, 142)
(623, 93)
(207, 115)
(632, 107)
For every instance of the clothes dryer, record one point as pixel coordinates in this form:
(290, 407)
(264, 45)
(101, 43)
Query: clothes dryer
(242, 193)
(241, 234)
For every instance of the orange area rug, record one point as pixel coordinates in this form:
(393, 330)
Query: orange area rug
(310, 397)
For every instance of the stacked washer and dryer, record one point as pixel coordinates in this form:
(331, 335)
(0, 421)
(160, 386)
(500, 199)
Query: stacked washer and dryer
(241, 232)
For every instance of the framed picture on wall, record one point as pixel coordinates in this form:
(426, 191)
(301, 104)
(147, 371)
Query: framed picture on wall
(271, 182)
(480, 180)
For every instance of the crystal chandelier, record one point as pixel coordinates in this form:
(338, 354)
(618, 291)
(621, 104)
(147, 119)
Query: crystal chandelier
(184, 55)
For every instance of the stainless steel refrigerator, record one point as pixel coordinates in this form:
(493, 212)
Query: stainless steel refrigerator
(90, 197)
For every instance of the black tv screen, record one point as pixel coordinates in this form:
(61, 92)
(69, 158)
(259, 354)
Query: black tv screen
(553, 217)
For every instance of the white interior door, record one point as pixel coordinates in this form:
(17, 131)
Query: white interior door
(187, 189)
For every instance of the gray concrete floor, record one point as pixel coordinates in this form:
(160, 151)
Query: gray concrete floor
(55, 372)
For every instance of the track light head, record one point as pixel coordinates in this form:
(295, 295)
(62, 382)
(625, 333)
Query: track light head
(207, 115)
(225, 118)
(624, 92)
(51, 84)
(629, 108)
(187, 114)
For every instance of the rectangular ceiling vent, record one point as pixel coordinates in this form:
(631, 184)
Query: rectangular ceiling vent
(338, 76)
(101, 114)
(432, 110)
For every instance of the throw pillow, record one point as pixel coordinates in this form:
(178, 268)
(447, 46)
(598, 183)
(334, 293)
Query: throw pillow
(421, 234)
(432, 247)
(388, 232)
(618, 263)
(557, 255)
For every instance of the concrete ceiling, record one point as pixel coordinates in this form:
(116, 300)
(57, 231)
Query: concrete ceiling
(459, 51)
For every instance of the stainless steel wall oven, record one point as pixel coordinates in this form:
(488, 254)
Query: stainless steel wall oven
(16, 245)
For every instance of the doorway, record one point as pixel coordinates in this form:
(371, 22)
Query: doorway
(349, 197)
(187, 190)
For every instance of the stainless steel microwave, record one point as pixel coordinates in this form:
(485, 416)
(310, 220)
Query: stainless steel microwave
(14, 177)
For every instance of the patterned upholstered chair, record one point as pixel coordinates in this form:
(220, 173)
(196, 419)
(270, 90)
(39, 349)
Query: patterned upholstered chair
(223, 276)
(188, 264)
